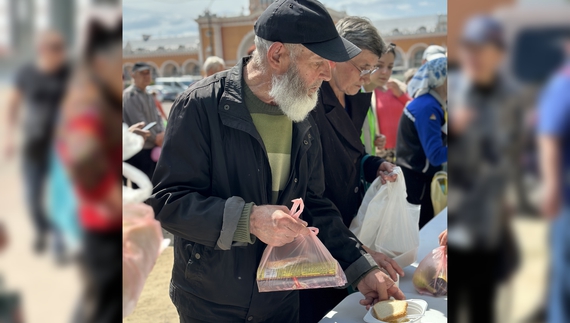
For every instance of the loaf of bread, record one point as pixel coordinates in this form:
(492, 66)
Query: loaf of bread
(390, 310)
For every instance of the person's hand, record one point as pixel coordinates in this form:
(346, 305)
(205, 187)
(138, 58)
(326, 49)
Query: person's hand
(551, 203)
(395, 88)
(386, 263)
(377, 286)
(380, 141)
(443, 238)
(159, 139)
(273, 225)
(461, 118)
(383, 171)
(137, 129)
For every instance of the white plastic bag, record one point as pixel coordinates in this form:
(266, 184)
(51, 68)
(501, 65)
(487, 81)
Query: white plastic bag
(386, 222)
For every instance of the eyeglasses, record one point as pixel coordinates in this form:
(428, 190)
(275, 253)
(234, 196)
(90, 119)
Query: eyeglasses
(363, 73)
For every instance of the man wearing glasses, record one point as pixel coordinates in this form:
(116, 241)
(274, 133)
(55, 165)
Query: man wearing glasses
(340, 114)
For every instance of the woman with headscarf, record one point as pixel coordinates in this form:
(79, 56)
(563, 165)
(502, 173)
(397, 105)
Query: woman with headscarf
(421, 144)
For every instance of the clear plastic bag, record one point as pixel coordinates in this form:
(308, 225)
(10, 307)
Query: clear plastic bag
(302, 264)
(142, 244)
(430, 278)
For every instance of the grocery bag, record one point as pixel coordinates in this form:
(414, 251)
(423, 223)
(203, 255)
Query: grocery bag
(303, 263)
(386, 222)
(430, 278)
(439, 192)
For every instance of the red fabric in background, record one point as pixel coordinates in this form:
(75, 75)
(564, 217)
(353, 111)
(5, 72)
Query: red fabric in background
(389, 110)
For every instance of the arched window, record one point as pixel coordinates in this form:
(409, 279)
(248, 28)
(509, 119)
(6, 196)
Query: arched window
(422, 30)
(399, 60)
(191, 69)
(416, 60)
(170, 70)
(127, 68)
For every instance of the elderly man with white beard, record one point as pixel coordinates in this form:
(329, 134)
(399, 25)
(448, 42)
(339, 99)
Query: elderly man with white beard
(240, 145)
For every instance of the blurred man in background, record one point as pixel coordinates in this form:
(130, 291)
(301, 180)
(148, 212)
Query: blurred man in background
(483, 122)
(554, 140)
(213, 65)
(139, 106)
(39, 87)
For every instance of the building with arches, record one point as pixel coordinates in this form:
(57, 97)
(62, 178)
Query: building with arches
(169, 56)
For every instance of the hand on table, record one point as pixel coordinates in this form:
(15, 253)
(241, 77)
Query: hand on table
(383, 171)
(377, 286)
(386, 263)
(273, 225)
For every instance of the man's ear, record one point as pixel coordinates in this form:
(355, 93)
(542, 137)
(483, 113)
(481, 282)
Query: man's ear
(332, 64)
(278, 57)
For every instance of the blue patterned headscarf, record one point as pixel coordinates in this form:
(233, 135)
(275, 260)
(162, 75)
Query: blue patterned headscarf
(431, 75)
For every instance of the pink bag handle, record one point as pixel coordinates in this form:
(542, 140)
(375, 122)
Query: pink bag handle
(297, 209)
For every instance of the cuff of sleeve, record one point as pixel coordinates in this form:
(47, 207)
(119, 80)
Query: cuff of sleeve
(356, 272)
(232, 214)
(371, 168)
(242, 230)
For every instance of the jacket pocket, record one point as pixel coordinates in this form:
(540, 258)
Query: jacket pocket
(192, 269)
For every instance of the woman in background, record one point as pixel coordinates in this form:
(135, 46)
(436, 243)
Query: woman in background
(89, 142)
(388, 101)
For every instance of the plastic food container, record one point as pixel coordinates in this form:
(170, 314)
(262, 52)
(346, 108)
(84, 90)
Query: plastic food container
(416, 310)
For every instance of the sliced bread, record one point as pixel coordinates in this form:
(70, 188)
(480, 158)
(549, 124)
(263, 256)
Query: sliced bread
(390, 310)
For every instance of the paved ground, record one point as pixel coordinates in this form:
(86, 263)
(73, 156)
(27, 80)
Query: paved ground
(49, 292)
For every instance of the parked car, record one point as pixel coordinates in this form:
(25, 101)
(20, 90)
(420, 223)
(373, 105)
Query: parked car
(182, 82)
(163, 92)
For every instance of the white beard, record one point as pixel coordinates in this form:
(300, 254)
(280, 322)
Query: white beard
(291, 94)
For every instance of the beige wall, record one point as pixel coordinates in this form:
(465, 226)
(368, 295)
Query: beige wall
(231, 38)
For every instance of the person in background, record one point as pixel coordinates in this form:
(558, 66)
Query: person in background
(39, 88)
(159, 106)
(240, 145)
(90, 145)
(140, 106)
(433, 52)
(339, 115)
(554, 139)
(421, 141)
(409, 74)
(484, 127)
(388, 101)
(213, 65)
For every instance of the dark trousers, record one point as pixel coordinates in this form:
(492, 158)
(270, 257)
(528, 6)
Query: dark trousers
(419, 193)
(475, 288)
(143, 162)
(316, 303)
(35, 170)
(102, 269)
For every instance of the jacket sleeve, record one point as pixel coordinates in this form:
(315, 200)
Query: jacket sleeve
(428, 124)
(323, 214)
(182, 197)
(370, 166)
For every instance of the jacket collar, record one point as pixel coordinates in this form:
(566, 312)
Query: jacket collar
(339, 118)
(234, 113)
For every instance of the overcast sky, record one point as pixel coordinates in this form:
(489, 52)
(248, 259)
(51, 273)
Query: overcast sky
(176, 17)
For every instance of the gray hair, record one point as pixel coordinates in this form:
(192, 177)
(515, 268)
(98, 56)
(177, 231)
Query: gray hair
(262, 47)
(214, 62)
(361, 33)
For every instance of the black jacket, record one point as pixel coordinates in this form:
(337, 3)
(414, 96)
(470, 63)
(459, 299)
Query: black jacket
(340, 131)
(214, 161)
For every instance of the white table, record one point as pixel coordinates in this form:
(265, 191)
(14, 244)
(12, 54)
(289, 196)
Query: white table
(350, 311)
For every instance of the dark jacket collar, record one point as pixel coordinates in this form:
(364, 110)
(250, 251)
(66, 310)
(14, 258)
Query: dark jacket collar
(234, 113)
(345, 120)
